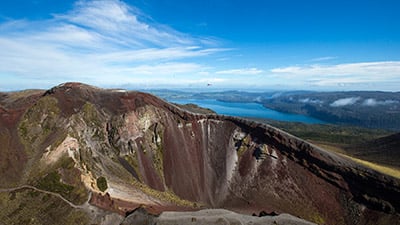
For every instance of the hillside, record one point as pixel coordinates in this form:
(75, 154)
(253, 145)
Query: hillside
(98, 154)
(375, 148)
(385, 149)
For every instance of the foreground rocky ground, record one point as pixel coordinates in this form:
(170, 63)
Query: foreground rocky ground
(210, 217)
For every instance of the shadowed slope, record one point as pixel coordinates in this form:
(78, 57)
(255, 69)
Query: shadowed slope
(385, 150)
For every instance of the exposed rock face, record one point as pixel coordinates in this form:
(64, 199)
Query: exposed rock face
(165, 158)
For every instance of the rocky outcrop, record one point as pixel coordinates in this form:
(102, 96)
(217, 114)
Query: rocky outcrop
(209, 217)
(164, 158)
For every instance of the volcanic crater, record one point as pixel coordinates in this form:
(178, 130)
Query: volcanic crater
(161, 157)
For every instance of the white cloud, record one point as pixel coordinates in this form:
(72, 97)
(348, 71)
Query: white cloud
(122, 22)
(312, 101)
(162, 69)
(345, 101)
(325, 58)
(154, 54)
(374, 102)
(347, 74)
(388, 69)
(245, 71)
(211, 80)
(95, 41)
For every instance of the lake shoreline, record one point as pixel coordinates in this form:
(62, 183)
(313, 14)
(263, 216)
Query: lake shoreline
(246, 109)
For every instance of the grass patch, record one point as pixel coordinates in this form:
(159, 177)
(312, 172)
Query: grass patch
(90, 114)
(383, 169)
(329, 146)
(167, 196)
(158, 157)
(52, 182)
(17, 95)
(316, 218)
(62, 178)
(35, 208)
(133, 162)
(328, 133)
(102, 183)
(244, 146)
(394, 172)
(38, 122)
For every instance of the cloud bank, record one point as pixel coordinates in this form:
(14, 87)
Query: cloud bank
(345, 101)
(100, 42)
(383, 73)
(312, 101)
(374, 102)
(245, 71)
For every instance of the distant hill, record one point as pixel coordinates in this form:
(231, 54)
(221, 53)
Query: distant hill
(384, 150)
(365, 109)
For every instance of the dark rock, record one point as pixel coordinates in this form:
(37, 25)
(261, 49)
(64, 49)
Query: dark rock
(139, 216)
(263, 213)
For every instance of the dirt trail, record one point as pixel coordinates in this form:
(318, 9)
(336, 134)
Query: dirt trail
(97, 215)
(83, 206)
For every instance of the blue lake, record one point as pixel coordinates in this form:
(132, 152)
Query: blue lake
(253, 110)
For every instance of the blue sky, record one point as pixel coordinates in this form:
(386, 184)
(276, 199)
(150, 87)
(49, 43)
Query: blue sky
(248, 45)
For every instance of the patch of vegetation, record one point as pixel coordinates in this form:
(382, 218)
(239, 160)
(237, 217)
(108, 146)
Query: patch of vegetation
(35, 208)
(158, 161)
(243, 145)
(316, 218)
(158, 154)
(341, 135)
(63, 178)
(336, 138)
(168, 196)
(86, 157)
(17, 95)
(71, 176)
(102, 183)
(93, 118)
(38, 122)
(380, 168)
(52, 182)
(66, 163)
(133, 162)
(58, 139)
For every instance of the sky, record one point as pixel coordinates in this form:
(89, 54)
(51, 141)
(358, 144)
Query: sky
(209, 44)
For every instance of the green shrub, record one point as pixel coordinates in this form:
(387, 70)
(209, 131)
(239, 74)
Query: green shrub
(102, 183)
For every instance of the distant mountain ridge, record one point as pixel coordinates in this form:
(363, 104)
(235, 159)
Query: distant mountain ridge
(370, 109)
(118, 150)
(366, 109)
